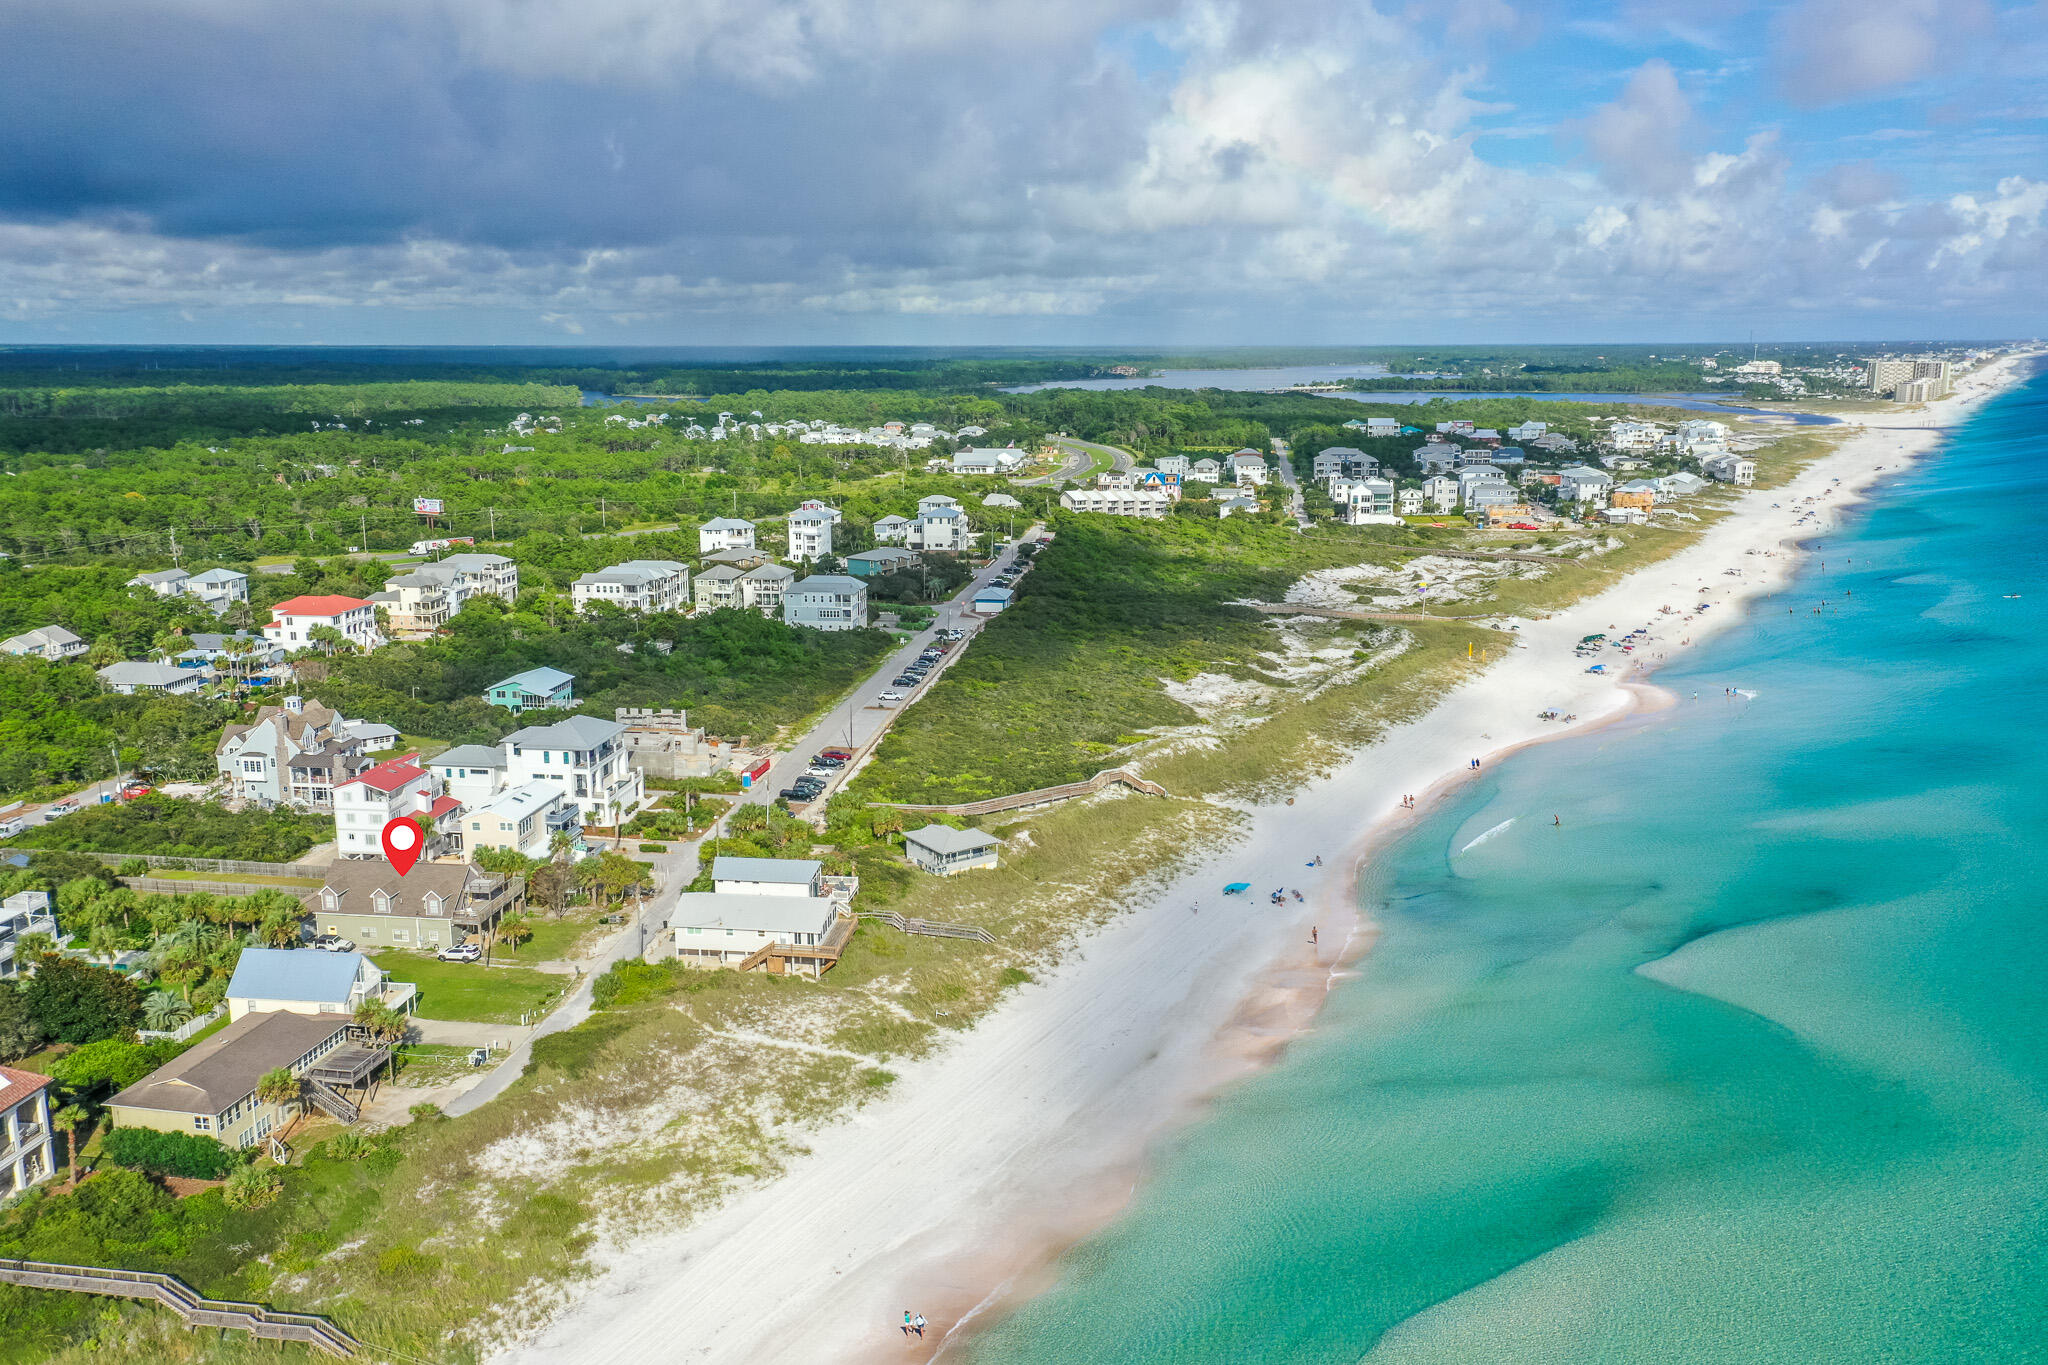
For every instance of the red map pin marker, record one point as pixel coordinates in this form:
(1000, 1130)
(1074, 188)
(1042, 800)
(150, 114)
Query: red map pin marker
(402, 843)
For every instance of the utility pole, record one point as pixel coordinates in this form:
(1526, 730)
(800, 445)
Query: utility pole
(494, 522)
(174, 544)
(363, 521)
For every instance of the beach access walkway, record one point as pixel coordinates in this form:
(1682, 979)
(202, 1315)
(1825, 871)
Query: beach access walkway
(257, 1320)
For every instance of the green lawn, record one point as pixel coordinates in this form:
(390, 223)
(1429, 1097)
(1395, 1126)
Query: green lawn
(181, 875)
(426, 747)
(470, 990)
(552, 938)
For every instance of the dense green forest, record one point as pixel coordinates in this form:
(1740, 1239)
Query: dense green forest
(737, 671)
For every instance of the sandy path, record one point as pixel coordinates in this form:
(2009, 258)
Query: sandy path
(1030, 1130)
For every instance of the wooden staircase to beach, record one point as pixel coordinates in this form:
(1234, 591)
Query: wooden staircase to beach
(929, 927)
(268, 1324)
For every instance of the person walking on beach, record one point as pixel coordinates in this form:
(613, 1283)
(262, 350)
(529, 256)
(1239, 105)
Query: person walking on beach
(1312, 933)
(919, 1325)
(906, 1322)
(1557, 820)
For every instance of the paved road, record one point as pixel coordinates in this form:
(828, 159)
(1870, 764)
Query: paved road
(860, 717)
(1081, 456)
(1284, 459)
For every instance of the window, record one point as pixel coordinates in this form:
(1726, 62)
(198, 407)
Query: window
(399, 936)
(202, 1123)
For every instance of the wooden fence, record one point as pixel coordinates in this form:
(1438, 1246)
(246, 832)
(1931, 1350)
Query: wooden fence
(231, 866)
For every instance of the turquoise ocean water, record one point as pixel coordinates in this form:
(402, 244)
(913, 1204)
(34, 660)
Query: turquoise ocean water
(1747, 1061)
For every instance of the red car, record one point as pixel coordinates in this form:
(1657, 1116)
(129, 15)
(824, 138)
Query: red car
(843, 755)
(135, 789)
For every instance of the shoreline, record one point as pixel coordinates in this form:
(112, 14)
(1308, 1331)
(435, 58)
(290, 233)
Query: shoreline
(956, 1195)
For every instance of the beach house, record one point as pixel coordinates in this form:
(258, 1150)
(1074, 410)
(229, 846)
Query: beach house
(537, 689)
(212, 1090)
(28, 1152)
(308, 981)
(381, 793)
(725, 533)
(586, 758)
(946, 852)
(523, 820)
(45, 642)
(293, 621)
(827, 602)
(892, 529)
(870, 563)
(810, 533)
(773, 930)
(763, 587)
(719, 586)
(130, 677)
(432, 906)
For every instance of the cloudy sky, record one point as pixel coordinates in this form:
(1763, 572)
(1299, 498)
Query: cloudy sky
(1021, 171)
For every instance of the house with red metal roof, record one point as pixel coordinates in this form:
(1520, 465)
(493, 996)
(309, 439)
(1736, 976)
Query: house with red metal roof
(28, 1145)
(293, 621)
(364, 804)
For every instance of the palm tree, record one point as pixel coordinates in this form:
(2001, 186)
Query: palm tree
(105, 942)
(280, 928)
(163, 1011)
(618, 829)
(66, 1121)
(32, 947)
(280, 1086)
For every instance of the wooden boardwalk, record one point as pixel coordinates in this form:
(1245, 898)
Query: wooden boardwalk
(1040, 797)
(269, 1324)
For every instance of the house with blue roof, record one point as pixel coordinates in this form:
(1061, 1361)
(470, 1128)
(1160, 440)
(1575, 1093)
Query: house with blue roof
(308, 981)
(537, 689)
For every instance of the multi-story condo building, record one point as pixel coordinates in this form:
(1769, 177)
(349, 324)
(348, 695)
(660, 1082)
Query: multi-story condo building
(636, 585)
(293, 621)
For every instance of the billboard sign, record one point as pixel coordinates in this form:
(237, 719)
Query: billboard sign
(427, 507)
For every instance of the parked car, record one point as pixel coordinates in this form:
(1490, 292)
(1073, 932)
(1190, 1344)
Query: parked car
(792, 796)
(905, 681)
(827, 759)
(461, 952)
(843, 755)
(61, 808)
(333, 943)
(890, 698)
(135, 789)
(823, 774)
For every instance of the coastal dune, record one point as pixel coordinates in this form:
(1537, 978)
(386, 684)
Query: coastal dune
(953, 1196)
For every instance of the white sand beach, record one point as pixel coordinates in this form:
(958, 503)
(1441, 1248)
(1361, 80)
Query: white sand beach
(953, 1195)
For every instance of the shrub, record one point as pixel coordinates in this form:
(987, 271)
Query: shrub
(76, 1002)
(193, 1155)
(654, 848)
(252, 1187)
(631, 981)
(350, 1147)
(574, 1051)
